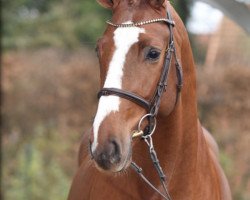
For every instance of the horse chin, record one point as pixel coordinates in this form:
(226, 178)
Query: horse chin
(125, 165)
(126, 161)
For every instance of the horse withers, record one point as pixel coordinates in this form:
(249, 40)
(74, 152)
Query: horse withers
(146, 141)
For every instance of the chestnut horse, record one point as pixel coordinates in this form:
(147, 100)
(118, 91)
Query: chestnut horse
(143, 55)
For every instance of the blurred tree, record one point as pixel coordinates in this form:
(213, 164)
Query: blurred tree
(183, 8)
(29, 23)
(44, 111)
(67, 24)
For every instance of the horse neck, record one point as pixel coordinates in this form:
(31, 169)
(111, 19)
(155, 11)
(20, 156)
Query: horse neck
(178, 141)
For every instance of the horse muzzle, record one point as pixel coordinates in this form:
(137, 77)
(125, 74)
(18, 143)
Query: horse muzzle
(108, 156)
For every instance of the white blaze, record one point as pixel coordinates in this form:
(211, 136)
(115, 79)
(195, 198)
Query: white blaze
(124, 38)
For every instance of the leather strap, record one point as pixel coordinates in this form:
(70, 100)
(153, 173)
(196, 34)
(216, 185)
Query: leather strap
(163, 82)
(138, 170)
(125, 94)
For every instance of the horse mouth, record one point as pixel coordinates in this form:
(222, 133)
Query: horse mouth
(124, 164)
(127, 161)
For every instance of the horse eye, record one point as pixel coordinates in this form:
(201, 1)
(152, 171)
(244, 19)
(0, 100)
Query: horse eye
(153, 54)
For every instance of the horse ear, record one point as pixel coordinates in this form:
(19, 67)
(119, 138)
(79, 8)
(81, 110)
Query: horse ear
(106, 3)
(156, 3)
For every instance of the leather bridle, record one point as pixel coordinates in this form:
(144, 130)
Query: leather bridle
(153, 105)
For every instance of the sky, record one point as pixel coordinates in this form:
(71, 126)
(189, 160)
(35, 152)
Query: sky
(204, 19)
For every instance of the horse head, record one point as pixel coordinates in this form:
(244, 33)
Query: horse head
(131, 59)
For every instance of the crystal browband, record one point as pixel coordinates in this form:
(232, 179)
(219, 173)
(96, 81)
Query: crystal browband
(141, 23)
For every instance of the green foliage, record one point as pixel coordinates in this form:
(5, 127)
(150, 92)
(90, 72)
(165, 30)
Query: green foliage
(62, 24)
(35, 171)
(183, 8)
(68, 24)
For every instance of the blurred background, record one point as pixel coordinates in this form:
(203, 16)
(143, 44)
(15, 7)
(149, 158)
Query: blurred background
(50, 80)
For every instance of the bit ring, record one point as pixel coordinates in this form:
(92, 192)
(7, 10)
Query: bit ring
(143, 118)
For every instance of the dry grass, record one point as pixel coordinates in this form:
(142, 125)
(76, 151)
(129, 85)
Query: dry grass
(224, 104)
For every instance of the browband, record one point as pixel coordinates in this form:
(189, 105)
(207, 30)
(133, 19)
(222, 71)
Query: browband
(133, 24)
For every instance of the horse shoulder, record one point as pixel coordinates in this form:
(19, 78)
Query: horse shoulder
(212, 145)
(225, 193)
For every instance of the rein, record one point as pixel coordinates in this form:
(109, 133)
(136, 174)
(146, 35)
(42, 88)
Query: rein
(152, 106)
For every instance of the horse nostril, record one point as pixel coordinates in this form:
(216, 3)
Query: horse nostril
(109, 156)
(103, 156)
(115, 152)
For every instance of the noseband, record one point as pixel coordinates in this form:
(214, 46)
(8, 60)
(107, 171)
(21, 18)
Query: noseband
(151, 106)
